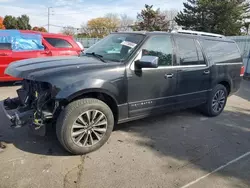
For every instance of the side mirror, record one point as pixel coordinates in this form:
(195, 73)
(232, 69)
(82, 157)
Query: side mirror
(147, 62)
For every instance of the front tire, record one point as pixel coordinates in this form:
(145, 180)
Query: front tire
(84, 125)
(216, 101)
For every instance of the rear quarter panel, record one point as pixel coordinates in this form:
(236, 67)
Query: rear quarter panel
(225, 60)
(229, 73)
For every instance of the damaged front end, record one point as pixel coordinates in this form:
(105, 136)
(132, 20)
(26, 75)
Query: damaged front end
(34, 106)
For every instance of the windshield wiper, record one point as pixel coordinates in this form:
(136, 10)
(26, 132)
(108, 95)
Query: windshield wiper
(100, 57)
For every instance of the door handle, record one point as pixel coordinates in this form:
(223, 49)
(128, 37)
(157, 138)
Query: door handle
(206, 72)
(169, 76)
(3, 54)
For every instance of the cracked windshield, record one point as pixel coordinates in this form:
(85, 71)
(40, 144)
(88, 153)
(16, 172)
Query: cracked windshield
(125, 94)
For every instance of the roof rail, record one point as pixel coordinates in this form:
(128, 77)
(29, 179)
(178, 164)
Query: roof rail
(141, 32)
(199, 33)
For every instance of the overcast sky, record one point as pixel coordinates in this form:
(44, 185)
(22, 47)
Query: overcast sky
(77, 12)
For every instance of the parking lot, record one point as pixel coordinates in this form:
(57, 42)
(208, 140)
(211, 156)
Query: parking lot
(181, 149)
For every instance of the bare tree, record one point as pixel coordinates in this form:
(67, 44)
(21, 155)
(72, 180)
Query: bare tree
(114, 18)
(69, 30)
(170, 15)
(126, 22)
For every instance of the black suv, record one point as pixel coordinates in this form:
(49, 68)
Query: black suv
(125, 76)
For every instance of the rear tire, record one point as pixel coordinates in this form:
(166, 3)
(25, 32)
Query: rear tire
(84, 125)
(216, 101)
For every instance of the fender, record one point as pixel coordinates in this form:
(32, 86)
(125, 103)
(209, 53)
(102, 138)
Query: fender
(85, 86)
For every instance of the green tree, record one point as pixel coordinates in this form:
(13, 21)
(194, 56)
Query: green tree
(23, 22)
(10, 22)
(151, 20)
(223, 17)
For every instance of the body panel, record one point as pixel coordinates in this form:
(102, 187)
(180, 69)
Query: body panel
(192, 84)
(152, 89)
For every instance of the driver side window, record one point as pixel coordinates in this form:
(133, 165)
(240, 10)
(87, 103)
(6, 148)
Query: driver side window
(160, 46)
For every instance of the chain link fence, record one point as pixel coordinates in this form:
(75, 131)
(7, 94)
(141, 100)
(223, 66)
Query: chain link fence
(244, 44)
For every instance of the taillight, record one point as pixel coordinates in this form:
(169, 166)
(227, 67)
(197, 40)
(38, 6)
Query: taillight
(242, 71)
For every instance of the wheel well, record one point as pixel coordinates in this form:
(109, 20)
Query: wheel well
(227, 86)
(103, 97)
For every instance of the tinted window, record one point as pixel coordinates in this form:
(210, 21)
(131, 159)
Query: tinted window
(5, 46)
(188, 52)
(58, 43)
(221, 51)
(160, 46)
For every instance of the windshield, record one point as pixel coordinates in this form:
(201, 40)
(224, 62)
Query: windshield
(116, 47)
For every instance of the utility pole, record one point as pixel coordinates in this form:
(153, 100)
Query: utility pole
(49, 16)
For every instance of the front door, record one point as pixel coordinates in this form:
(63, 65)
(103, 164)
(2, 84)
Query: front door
(193, 73)
(152, 89)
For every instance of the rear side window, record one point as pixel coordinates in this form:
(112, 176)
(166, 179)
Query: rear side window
(189, 51)
(221, 51)
(58, 43)
(5, 46)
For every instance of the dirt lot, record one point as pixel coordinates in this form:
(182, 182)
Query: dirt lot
(181, 149)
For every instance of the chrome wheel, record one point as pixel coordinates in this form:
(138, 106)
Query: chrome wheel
(218, 101)
(89, 128)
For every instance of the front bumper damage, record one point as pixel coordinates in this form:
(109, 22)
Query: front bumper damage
(18, 117)
(34, 105)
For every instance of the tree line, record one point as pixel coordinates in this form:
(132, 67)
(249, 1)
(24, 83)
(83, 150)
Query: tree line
(20, 22)
(149, 19)
(226, 17)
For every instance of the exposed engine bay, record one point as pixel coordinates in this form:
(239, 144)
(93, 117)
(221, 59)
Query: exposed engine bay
(34, 105)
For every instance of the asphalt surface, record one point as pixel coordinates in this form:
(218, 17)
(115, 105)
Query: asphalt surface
(177, 150)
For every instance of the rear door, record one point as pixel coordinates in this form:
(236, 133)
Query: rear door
(61, 47)
(5, 59)
(193, 72)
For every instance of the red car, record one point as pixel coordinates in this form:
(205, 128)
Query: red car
(52, 45)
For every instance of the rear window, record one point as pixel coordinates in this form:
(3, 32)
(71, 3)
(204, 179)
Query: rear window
(58, 43)
(5, 46)
(221, 51)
